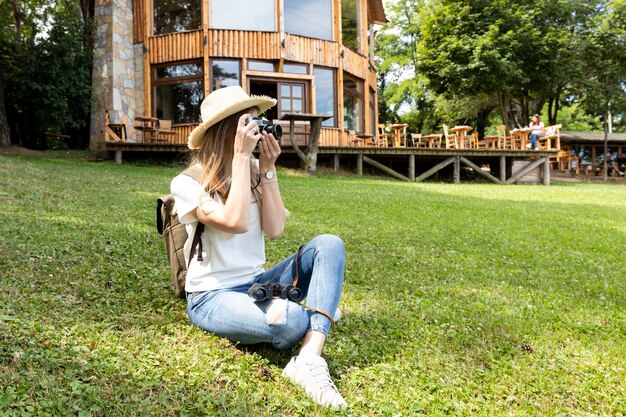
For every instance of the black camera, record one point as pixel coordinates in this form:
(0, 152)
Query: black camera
(264, 292)
(265, 126)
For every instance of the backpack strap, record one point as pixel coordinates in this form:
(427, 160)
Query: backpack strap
(196, 244)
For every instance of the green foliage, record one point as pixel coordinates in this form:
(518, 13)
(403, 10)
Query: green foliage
(465, 300)
(469, 57)
(47, 71)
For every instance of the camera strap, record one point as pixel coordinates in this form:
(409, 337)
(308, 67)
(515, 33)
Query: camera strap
(295, 283)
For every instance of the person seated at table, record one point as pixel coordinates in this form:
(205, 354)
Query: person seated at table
(538, 130)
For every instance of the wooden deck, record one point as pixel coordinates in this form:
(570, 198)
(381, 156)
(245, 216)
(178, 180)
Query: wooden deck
(501, 166)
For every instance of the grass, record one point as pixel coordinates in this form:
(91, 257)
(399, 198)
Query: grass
(477, 300)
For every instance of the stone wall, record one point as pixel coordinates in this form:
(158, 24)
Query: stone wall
(116, 82)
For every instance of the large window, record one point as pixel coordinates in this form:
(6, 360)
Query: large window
(225, 73)
(258, 15)
(325, 93)
(372, 111)
(312, 18)
(178, 92)
(176, 16)
(350, 24)
(352, 103)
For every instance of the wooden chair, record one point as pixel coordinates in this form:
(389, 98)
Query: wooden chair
(403, 137)
(382, 137)
(113, 132)
(417, 140)
(478, 144)
(504, 141)
(552, 137)
(452, 140)
(164, 131)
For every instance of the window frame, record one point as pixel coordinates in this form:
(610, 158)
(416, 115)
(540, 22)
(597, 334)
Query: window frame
(153, 20)
(155, 82)
(335, 118)
(360, 95)
(211, 60)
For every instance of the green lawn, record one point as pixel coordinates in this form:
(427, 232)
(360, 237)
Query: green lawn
(479, 300)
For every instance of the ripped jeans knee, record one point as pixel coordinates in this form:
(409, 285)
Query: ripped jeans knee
(287, 321)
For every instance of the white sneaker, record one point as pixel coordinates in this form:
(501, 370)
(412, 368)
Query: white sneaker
(337, 315)
(311, 373)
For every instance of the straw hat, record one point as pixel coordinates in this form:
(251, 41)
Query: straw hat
(222, 103)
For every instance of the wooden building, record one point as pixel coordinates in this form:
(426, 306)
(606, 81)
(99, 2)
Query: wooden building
(157, 59)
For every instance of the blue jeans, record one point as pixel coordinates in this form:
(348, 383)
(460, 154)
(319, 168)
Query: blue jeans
(232, 314)
(533, 140)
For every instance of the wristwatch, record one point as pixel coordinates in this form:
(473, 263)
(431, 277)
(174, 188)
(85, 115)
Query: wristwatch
(269, 175)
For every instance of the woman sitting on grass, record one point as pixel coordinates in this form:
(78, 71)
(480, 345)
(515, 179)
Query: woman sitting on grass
(238, 200)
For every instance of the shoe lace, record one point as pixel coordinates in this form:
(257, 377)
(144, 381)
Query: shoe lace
(322, 377)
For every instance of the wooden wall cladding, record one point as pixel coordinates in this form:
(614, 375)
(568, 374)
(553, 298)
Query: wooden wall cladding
(354, 63)
(239, 44)
(175, 47)
(309, 50)
(138, 21)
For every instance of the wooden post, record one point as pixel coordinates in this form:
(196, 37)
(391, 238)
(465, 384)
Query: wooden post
(118, 157)
(336, 163)
(503, 169)
(412, 167)
(359, 165)
(546, 171)
(457, 170)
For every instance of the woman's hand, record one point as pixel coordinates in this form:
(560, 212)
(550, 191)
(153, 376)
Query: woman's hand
(246, 137)
(269, 150)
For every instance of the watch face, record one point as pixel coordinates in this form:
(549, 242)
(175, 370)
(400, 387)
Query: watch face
(269, 175)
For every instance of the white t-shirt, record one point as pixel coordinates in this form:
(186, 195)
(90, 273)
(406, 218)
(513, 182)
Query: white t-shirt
(228, 260)
(536, 129)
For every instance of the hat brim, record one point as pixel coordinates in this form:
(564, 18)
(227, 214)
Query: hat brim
(196, 136)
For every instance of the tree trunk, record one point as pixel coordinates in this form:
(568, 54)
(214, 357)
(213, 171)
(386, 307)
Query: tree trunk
(606, 145)
(5, 131)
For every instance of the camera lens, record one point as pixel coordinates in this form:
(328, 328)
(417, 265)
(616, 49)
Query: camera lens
(277, 131)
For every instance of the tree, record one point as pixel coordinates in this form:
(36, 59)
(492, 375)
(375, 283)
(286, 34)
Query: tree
(604, 85)
(45, 57)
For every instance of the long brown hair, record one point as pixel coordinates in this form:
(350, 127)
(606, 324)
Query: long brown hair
(216, 154)
(532, 121)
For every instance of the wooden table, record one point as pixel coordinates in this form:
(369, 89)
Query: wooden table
(431, 139)
(462, 131)
(310, 158)
(521, 134)
(398, 129)
(493, 141)
(146, 127)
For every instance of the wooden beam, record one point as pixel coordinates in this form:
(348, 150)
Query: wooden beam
(503, 169)
(434, 169)
(384, 168)
(480, 171)
(336, 162)
(411, 168)
(532, 165)
(359, 165)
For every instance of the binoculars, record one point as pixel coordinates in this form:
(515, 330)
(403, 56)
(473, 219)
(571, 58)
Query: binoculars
(264, 292)
(265, 126)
